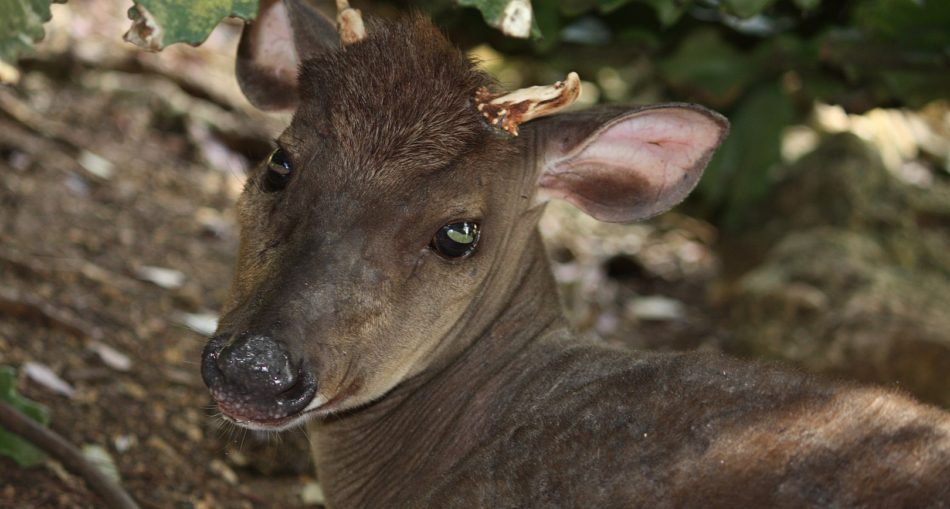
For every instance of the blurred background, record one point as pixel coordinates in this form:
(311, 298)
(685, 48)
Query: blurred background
(819, 235)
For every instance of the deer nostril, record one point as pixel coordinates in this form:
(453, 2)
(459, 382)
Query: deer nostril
(257, 364)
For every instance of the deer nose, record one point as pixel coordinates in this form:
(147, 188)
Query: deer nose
(257, 364)
(253, 377)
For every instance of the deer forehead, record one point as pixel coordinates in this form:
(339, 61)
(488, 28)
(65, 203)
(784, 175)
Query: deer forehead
(399, 101)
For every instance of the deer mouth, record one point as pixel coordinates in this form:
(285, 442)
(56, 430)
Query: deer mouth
(238, 414)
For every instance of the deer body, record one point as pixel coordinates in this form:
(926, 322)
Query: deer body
(531, 416)
(392, 289)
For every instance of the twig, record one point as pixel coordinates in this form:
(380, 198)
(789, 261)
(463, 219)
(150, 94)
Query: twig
(84, 268)
(13, 303)
(36, 122)
(58, 447)
(59, 133)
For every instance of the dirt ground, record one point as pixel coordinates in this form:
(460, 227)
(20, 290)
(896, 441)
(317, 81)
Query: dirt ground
(118, 173)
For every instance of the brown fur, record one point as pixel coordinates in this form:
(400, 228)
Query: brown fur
(458, 383)
(414, 111)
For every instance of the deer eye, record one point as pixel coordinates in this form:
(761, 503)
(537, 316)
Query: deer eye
(456, 240)
(278, 172)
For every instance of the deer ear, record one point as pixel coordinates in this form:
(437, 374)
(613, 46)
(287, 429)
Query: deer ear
(619, 164)
(272, 47)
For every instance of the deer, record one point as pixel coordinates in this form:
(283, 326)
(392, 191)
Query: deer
(393, 293)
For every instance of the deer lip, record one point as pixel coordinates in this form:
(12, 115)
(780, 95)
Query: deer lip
(238, 414)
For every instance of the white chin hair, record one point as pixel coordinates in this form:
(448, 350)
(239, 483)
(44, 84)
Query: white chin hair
(304, 415)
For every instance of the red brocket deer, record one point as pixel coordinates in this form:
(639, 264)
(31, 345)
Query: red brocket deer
(393, 292)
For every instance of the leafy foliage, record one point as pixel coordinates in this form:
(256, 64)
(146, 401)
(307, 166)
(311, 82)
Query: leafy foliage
(11, 445)
(763, 63)
(21, 24)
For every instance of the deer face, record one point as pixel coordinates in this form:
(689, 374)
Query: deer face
(390, 212)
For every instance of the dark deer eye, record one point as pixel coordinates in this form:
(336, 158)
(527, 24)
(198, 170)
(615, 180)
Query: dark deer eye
(456, 240)
(278, 172)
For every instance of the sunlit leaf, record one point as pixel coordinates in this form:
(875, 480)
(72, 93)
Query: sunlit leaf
(514, 18)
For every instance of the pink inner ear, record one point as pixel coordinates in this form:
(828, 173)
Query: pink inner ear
(638, 166)
(274, 44)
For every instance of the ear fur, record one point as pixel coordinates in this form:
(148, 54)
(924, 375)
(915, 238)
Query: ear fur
(625, 164)
(272, 47)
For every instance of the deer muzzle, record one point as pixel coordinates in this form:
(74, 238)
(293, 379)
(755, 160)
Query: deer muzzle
(255, 381)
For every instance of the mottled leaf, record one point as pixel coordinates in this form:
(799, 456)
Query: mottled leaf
(21, 24)
(159, 23)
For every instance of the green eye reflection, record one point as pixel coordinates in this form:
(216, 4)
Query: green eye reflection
(466, 236)
(456, 240)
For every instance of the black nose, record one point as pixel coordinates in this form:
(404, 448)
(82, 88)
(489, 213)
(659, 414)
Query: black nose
(253, 377)
(257, 364)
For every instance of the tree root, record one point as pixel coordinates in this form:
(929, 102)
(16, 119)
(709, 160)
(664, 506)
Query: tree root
(59, 448)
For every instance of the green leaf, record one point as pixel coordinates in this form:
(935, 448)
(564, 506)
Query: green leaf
(607, 6)
(807, 5)
(11, 445)
(515, 18)
(917, 88)
(549, 23)
(918, 24)
(668, 11)
(739, 174)
(574, 8)
(709, 69)
(746, 8)
(159, 23)
(21, 24)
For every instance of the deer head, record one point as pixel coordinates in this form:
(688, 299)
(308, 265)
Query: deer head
(383, 232)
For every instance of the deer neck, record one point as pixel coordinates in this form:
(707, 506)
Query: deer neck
(370, 457)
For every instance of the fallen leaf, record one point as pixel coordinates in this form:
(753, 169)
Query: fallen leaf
(169, 279)
(110, 356)
(43, 375)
